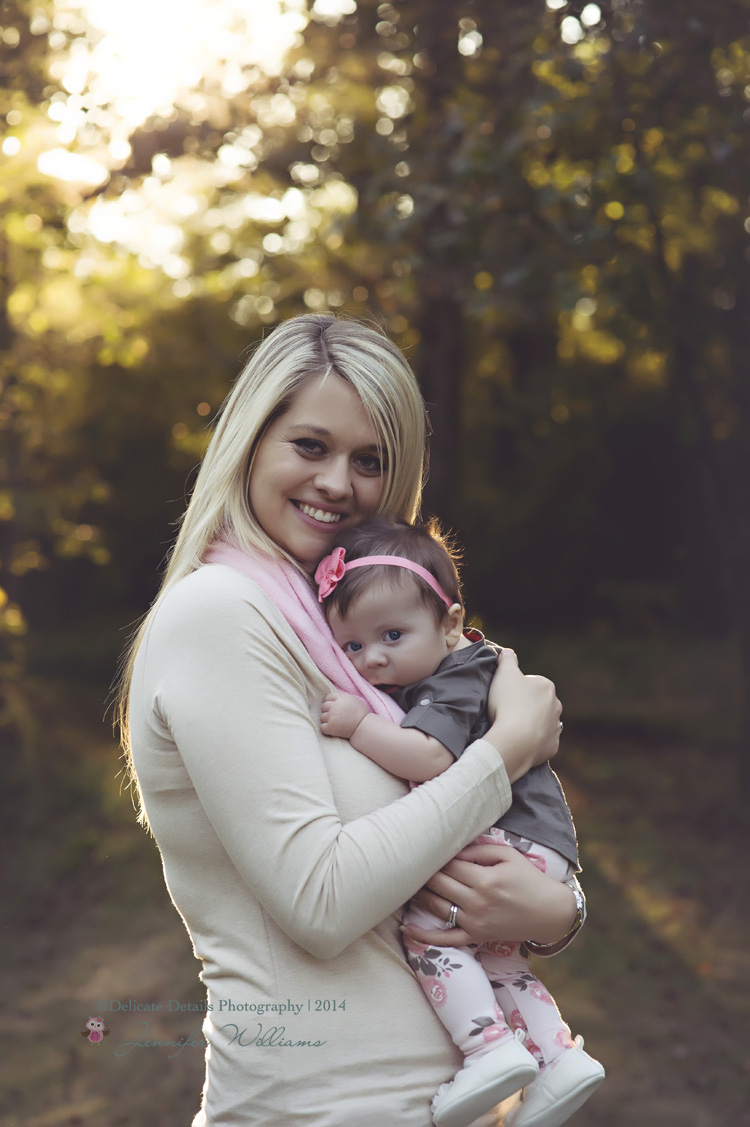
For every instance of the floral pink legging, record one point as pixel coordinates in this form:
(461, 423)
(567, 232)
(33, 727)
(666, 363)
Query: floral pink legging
(484, 992)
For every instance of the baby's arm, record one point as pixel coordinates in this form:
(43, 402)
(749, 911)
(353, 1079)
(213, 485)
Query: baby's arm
(405, 752)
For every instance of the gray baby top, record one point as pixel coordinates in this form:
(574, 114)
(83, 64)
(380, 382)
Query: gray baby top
(451, 706)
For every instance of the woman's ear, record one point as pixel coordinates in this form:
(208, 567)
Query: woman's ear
(454, 624)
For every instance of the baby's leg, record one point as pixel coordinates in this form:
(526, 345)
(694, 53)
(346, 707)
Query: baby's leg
(525, 1001)
(457, 988)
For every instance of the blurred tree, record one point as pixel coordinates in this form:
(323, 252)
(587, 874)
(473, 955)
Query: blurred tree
(565, 197)
(37, 396)
(550, 208)
(663, 291)
(543, 204)
(507, 162)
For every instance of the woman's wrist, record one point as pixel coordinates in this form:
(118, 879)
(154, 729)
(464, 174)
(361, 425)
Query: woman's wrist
(567, 913)
(516, 757)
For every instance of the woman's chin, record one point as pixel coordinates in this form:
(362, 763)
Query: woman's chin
(308, 542)
(309, 554)
(309, 545)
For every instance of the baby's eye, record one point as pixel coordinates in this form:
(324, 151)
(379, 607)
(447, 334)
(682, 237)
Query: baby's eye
(393, 635)
(352, 647)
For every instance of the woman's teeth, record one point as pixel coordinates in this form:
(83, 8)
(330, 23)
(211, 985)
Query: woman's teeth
(319, 514)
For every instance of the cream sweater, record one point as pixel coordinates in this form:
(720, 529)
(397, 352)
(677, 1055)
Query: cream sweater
(289, 857)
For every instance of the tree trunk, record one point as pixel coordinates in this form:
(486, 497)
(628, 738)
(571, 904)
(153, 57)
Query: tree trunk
(441, 361)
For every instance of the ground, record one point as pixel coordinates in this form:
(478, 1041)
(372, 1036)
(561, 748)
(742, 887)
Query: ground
(657, 983)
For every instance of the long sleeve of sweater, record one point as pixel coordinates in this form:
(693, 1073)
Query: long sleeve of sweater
(222, 677)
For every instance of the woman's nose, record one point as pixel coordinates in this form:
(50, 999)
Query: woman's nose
(334, 478)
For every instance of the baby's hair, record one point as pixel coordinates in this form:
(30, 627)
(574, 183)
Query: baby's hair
(424, 544)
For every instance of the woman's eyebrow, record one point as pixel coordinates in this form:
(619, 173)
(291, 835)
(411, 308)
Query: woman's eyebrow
(311, 427)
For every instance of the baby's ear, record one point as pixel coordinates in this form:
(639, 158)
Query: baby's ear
(454, 624)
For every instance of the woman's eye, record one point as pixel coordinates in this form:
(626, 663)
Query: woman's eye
(309, 446)
(370, 464)
(393, 635)
(352, 647)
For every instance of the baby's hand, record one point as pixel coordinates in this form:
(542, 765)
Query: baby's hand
(341, 714)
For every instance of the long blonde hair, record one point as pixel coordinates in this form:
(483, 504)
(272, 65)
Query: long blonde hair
(313, 344)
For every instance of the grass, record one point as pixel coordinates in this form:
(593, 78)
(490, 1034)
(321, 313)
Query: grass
(657, 982)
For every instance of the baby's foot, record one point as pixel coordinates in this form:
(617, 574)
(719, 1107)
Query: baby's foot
(561, 1087)
(484, 1082)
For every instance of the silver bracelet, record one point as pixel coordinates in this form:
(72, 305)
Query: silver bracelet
(580, 905)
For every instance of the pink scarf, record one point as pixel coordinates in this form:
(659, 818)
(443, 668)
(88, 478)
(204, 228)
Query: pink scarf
(295, 598)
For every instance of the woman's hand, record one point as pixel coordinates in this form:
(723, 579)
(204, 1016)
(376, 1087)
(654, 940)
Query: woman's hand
(525, 715)
(500, 895)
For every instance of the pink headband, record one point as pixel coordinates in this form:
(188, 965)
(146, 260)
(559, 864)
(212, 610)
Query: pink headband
(332, 569)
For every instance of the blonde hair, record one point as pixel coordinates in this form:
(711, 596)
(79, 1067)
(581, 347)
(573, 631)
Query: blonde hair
(313, 344)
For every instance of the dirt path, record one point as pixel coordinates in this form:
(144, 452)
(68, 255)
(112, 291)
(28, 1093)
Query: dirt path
(657, 983)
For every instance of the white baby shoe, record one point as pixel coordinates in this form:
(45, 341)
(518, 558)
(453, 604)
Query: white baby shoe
(559, 1090)
(482, 1083)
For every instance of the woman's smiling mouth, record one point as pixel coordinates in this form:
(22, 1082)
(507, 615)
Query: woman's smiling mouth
(325, 516)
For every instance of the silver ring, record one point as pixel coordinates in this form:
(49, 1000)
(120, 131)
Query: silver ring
(452, 915)
(561, 725)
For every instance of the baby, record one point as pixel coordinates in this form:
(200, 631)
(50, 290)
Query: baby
(392, 598)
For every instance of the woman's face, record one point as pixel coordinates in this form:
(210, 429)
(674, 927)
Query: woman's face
(317, 470)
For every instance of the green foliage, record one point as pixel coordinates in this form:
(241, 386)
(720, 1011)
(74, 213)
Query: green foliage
(549, 215)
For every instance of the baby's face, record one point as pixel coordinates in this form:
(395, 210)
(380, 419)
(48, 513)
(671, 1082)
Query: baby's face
(391, 638)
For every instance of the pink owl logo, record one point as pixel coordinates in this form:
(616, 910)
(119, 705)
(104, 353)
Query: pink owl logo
(95, 1031)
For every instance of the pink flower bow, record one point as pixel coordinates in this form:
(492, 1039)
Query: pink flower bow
(328, 572)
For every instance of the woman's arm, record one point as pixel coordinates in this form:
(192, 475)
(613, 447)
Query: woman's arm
(229, 688)
(428, 742)
(515, 721)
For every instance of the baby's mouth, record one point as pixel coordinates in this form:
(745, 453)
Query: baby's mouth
(325, 516)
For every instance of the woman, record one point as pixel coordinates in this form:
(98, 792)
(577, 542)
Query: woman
(287, 853)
